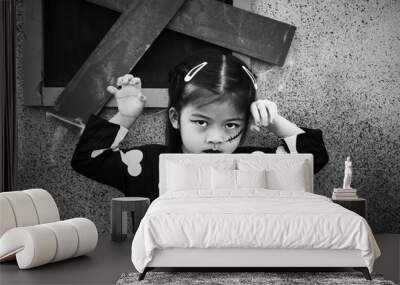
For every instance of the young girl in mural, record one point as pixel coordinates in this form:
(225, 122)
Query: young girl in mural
(212, 104)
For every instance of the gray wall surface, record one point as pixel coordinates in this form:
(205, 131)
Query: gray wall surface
(342, 75)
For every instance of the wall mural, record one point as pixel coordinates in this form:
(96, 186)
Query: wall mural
(339, 76)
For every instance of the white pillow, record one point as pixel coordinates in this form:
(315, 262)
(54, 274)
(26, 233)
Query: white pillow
(283, 179)
(284, 174)
(251, 178)
(224, 179)
(192, 174)
(181, 177)
(203, 160)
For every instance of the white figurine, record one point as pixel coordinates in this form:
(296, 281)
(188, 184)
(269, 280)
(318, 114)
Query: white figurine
(347, 174)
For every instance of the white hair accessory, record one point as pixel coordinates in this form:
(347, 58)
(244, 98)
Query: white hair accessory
(194, 71)
(198, 67)
(250, 75)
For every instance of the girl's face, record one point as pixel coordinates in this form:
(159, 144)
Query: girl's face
(216, 127)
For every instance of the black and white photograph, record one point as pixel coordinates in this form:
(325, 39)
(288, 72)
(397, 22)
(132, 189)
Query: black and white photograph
(200, 142)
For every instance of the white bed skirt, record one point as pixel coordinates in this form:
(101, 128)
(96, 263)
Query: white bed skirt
(226, 257)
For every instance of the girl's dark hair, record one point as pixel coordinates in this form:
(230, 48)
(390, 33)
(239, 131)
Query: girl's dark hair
(222, 79)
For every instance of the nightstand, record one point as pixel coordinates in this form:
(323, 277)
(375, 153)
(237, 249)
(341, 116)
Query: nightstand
(358, 206)
(119, 210)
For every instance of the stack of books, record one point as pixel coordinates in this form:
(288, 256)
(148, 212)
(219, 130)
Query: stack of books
(344, 194)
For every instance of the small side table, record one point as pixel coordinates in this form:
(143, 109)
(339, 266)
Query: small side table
(119, 219)
(357, 205)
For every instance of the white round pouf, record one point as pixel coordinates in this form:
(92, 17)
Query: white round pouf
(67, 240)
(32, 246)
(45, 205)
(87, 233)
(23, 208)
(7, 216)
(31, 231)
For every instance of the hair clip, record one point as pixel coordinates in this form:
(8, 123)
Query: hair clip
(194, 71)
(250, 75)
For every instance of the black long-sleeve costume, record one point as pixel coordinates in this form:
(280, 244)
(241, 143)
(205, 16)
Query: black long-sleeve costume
(135, 171)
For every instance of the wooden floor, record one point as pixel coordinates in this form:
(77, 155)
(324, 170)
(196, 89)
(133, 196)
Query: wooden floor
(110, 260)
(102, 266)
(389, 262)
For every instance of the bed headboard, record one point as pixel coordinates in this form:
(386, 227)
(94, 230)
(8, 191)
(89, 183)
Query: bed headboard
(271, 161)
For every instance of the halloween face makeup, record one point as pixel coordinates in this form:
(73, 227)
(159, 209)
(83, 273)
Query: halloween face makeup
(213, 128)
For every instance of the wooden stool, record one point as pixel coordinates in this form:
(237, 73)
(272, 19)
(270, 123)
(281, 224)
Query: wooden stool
(119, 208)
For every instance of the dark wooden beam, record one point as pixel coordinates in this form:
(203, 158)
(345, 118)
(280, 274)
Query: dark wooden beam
(117, 53)
(221, 24)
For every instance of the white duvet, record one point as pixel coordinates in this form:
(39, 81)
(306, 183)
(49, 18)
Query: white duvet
(252, 218)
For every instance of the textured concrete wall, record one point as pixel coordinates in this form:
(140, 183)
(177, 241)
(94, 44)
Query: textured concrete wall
(342, 75)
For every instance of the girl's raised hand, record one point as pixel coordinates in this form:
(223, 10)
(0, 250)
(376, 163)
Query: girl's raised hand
(129, 96)
(263, 113)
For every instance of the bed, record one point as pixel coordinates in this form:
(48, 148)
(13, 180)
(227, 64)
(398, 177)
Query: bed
(245, 211)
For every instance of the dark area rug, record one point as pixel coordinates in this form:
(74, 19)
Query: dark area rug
(273, 278)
